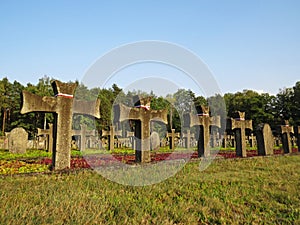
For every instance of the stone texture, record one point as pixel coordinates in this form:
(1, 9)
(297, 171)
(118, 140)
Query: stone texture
(265, 140)
(142, 115)
(62, 106)
(18, 141)
(286, 131)
(4, 141)
(154, 141)
(239, 125)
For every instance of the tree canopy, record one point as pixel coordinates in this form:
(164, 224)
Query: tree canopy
(261, 108)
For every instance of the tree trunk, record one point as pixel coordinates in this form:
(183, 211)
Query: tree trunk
(3, 121)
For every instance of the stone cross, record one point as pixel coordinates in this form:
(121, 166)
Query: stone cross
(111, 136)
(252, 140)
(228, 140)
(286, 131)
(63, 106)
(265, 140)
(49, 135)
(172, 137)
(142, 115)
(92, 138)
(204, 121)
(130, 135)
(239, 125)
(187, 138)
(83, 133)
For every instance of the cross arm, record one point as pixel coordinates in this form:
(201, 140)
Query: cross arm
(287, 129)
(91, 108)
(248, 124)
(215, 121)
(121, 112)
(235, 124)
(33, 103)
(159, 115)
(42, 132)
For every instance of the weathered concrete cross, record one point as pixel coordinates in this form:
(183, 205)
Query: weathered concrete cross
(130, 135)
(286, 131)
(49, 134)
(172, 137)
(187, 136)
(204, 121)
(83, 133)
(63, 106)
(239, 125)
(141, 114)
(111, 136)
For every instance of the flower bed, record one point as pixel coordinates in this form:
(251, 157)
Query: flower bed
(92, 161)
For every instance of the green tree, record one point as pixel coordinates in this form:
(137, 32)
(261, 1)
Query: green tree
(283, 105)
(38, 119)
(217, 107)
(256, 106)
(5, 102)
(295, 108)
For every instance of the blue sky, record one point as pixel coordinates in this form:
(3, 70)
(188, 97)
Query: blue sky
(246, 44)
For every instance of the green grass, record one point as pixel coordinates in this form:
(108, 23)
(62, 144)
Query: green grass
(30, 153)
(261, 190)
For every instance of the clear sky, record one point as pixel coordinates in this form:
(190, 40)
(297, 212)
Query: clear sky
(246, 44)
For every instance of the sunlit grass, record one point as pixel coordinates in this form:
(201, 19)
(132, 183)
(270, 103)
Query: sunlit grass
(262, 190)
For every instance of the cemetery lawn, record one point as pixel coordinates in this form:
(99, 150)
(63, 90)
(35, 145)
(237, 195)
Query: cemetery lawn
(257, 190)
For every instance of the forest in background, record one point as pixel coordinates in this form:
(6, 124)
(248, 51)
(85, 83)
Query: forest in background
(261, 108)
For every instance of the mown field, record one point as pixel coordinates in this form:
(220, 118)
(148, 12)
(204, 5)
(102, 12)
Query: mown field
(259, 190)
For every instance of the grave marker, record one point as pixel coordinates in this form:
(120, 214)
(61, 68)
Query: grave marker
(142, 115)
(63, 106)
(204, 121)
(83, 133)
(49, 136)
(252, 141)
(18, 140)
(171, 136)
(286, 131)
(265, 140)
(92, 139)
(111, 136)
(130, 135)
(239, 125)
(187, 136)
(154, 141)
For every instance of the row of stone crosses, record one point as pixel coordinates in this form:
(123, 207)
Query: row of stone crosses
(64, 106)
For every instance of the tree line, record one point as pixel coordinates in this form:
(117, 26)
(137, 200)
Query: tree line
(261, 108)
